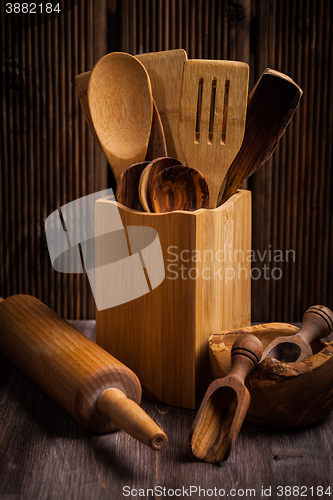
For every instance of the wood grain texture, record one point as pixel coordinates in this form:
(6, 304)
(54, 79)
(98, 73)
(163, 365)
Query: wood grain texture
(121, 120)
(168, 327)
(38, 461)
(179, 188)
(283, 395)
(272, 103)
(225, 404)
(148, 177)
(48, 157)
(165, 70)
(74, 371)
(210, 136)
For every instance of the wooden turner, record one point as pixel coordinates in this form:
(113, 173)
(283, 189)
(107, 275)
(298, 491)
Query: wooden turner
(95, 388)
(272, 103)
(212, 117)
(317, 323)
(225, 404)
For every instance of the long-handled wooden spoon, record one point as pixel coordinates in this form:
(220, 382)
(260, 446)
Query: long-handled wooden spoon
(212, 117)
(317, 323)
(148, 177)
(157, 142)
(225, 404)
(272, 103)
(179, 188)
(121, 107)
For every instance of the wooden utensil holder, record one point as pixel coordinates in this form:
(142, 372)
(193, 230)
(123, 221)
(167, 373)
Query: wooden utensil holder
(163, 335)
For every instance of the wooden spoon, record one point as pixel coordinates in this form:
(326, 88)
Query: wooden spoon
(272, 103)
(121, 107)
(212, 117)
(127, 192)
(179, 188)
(225, 404)
(317, 323)
(157, 143)
(148, 177)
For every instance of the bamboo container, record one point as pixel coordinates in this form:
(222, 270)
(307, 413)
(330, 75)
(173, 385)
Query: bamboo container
(205, 287)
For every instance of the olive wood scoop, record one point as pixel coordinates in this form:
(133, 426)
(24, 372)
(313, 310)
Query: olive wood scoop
(96, 389)
(272, 103)
(225, 404)
(317, 323)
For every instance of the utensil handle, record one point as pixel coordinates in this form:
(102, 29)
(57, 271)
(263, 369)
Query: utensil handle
(131, 418)
(246, 353)
(317, 323)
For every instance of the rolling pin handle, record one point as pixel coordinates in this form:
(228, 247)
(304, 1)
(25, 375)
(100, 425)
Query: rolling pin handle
(131, 418)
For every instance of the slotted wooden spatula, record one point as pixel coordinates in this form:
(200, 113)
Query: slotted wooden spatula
(212, 117)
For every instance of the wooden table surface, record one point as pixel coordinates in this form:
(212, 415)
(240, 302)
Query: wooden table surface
(45, 454)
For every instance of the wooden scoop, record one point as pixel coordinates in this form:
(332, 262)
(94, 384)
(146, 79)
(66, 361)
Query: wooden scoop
(317, 323)
(121, 107)
(157, 143)
(272, 103)
(95, 388)
(212, 117)
(179, 188)
(148, 177)
(225, 404)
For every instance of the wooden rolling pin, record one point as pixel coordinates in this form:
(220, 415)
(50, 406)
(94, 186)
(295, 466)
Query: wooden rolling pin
(96, 389)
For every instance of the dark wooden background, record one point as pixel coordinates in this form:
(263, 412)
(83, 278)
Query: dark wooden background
(48, 157)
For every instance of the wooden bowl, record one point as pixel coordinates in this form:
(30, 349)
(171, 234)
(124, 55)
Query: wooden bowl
(282, 394)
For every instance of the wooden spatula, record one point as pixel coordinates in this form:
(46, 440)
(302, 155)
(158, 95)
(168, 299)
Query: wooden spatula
(225, 404)
(165, 70)
(121, 108)
(272, 103)
(317, 323)
(212, 117)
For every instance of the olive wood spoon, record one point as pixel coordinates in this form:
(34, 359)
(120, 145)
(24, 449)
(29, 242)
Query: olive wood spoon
(127, 192)
(317, 323)
(179, 188)
(148, 177)
(225, 404)
(157, 144)
(272, 103)
(121, 108)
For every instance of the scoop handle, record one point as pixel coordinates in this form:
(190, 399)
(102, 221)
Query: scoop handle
(317, 323)
(246, 353)
(131, 418)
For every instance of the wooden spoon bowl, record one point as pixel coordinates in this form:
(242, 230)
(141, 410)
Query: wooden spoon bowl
(283, 395)
(179, 188)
